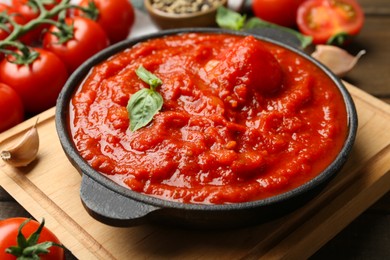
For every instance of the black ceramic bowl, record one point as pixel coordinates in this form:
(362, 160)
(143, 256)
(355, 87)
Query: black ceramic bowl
(115, 205)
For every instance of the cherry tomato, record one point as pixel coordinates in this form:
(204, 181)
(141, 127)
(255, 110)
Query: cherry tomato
(3, 35)
(5, 31)
(281, 12)
(88, 39)
(17, 18)
(323, 19)
(24, 9)
(116, 17)
(8, 237)
(4, 8)
(11, 108)
(38, 83)
(27, 12)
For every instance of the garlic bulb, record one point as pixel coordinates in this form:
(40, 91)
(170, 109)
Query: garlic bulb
(336, 59)
(24, 152)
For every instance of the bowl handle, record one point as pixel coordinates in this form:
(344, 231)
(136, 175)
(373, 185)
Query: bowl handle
(110, 207)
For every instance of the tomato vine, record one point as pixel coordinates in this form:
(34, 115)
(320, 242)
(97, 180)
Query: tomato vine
(24, 54)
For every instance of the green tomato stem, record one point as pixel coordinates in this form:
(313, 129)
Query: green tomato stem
(28, 248)
(45, 17)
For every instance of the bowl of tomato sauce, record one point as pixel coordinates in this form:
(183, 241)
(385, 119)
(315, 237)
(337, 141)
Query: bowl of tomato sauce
(240, 129)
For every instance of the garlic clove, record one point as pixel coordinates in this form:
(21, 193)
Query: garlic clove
(336, 59)
(236, 5)
(25, 151)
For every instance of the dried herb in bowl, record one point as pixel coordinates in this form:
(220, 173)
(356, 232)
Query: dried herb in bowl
(185, 6)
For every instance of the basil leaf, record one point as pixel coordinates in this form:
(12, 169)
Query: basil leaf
(258, 23)
(142, 107)
(145, 103)
(229, 19)
(149, 78)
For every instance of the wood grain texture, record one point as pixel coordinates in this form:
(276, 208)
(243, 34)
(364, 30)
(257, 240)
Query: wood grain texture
(50, 188)
(368, 237)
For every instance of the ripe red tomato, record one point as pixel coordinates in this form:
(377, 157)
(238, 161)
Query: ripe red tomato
(116, 17)
(88, 39)
(27, 12)
(3, 35)
(17, 18)
(8, 237)
(38, 83)
(24, 9)
(281, 12)
(11, 108)
(4, 8)
(323, 19)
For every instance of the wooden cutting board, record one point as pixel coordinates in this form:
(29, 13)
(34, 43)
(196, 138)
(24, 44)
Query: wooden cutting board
(49, 188)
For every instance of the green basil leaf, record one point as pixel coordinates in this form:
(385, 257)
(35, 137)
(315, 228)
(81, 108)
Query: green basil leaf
(258, 23)
(149, 78)
(142, 107)
(229, 19)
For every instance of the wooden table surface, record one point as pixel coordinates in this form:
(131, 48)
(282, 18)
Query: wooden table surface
(367, 237)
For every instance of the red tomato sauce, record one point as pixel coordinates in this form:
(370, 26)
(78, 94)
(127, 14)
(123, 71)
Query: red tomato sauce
(242, 119)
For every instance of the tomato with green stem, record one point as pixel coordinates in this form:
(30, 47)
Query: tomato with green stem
(75, 41)
(6, 27)
(23, 238)
(37, 78)
(281, 12)
(11, 108)
(326, 20)
(116, 17)
(27, 10)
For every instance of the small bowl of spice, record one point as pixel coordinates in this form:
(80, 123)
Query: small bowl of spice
(170, 14)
